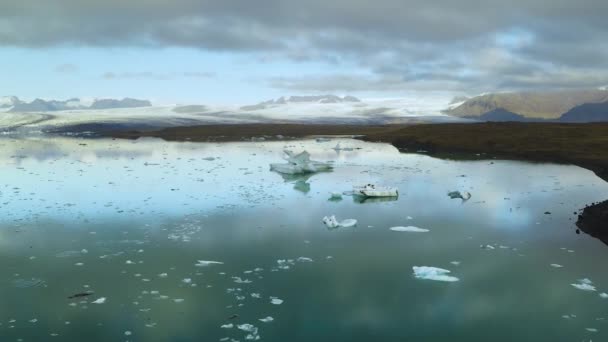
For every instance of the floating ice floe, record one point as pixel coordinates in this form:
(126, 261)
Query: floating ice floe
(433, 273)
(304, 259)
(604, 295)
(464, 196)
(585, 285)
(556, 266)
(266, 320)
(371, 190)
(100, 300)
(276, 301)
(300, 163)
(205, 263)
(409, 229)
(332, 222)
(227, 326)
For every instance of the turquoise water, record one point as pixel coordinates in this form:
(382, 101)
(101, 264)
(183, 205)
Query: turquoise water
(128, 221)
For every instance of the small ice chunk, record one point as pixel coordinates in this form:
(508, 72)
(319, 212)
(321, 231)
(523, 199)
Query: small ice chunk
(205, 263)
(304, 259)
(266, 320)
(409, 229)
(556, 265)
(276, 301)
(604, 295)
(433, 273)
(163, 275)
(593, 330)
(332, 222)
(227, 326)
(250, 328)
(584, 287)
(455, 263)
(100, 300)
(178, 300)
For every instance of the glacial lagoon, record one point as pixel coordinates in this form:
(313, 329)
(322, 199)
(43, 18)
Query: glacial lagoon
(147, 240)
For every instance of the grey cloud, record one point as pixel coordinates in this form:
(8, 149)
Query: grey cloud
(410, 43)
(157, 76)
(67, 68)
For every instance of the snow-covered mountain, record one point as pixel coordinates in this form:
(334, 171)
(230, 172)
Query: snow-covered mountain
(8, 101)
(326, 109)
(13, 104)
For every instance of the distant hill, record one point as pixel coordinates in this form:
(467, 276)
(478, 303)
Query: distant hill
(9, 101)
(302, 99)
(530, 105)
(588, 112)
(499, 115)
(39, 105)
(124, 103)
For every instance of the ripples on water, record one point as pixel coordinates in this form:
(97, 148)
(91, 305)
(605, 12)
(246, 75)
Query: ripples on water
(160, 241)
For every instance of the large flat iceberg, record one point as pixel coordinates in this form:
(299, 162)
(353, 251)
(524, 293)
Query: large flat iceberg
(433, 273)
(300, 163)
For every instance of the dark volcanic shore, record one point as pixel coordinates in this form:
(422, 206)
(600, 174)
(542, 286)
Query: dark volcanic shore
(585, 145)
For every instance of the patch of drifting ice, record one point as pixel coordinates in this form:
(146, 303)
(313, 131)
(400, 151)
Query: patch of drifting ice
(205, 263)
(409, 229)
(266, 320)
(227, 326)
(99, 300)
(276, 301)
(604, 295)
(556, 265)
(304, 259)
(433, 273)
(332, 222)
(583, 285)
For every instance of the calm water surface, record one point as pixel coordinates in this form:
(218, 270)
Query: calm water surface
(129, 221)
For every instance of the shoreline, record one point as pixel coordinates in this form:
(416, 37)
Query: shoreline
(584, 145)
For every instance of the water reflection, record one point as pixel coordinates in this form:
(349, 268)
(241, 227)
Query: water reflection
(129, 221)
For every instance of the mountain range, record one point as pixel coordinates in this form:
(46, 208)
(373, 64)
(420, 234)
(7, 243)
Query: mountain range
(324, 99)
(15, 105)
(568, 106)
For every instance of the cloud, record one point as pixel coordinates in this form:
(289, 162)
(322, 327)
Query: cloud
(150, 75)
(407, 43)
(66, 68)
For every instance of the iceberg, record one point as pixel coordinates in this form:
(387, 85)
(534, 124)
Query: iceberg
(409, 229)
(332, 222)
(371, 190)
(300, 163)
(433, 273)
(205, 263)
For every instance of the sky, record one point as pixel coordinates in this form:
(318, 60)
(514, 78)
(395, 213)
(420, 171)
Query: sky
(244, 51)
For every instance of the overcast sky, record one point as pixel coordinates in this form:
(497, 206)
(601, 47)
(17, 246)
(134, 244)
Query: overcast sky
(231, 51)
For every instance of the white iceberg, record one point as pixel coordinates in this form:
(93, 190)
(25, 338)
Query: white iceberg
(371, 190)
(433, 273)
(276, 301)
(205, 263)
(300, 163)
(584, 285)
(409, 229)
(332, 222)
(99, 300)
(266, 320)
(604, 295)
